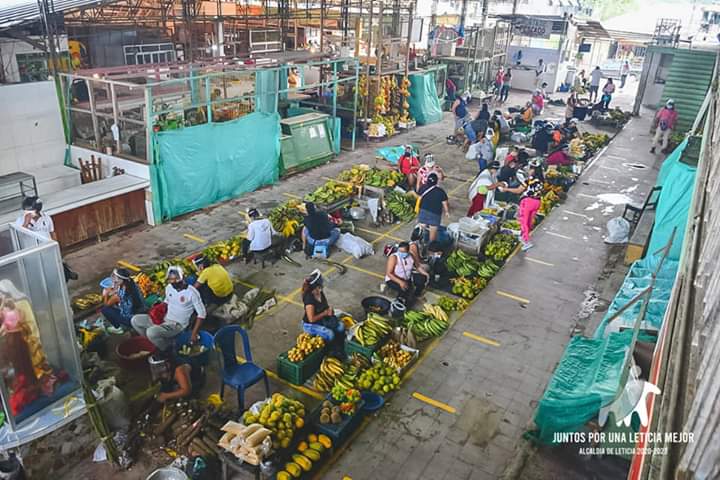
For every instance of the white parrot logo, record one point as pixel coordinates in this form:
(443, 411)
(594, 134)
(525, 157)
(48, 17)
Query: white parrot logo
(633, 399)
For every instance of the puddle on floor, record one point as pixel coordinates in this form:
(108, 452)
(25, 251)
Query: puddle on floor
(479, 419)
(614, 198)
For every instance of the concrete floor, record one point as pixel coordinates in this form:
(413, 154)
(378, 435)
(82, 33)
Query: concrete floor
(491, 367)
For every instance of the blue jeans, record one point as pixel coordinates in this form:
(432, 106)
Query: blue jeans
(469, 132)
(113, 315)
(331, 240)
(327, 328)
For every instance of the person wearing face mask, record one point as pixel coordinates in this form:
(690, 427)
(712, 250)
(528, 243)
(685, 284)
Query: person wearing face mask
(319, 318)
(531, 190)
(437, 266)
(403, 275)
(181, 301)
(123, 300)
(665, 121)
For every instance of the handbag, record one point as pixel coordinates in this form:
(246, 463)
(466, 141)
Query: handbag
(419, 199)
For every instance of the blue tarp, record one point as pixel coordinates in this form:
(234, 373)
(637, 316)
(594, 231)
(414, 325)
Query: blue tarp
(678, 184)
(205, 164)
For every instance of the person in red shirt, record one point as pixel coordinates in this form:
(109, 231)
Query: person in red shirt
(409, 164)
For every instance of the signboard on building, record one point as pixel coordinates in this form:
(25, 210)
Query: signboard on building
(533, 27)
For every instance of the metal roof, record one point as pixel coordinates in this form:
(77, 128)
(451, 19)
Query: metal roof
(14, 12)
(591, 28)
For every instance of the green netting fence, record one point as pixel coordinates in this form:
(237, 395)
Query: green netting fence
(205, 164)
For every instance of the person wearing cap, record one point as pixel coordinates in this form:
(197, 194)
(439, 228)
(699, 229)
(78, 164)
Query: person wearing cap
(538, 102)
(318, 227)
(181, 300)
(213, 283)
(429, 166)
(404, 275)
(482, 190)
(122, 300)
(665, 121)
(259, 234)
(531, 190)
(409, 164)
(319, 318)
(35, 220)
(432, 204)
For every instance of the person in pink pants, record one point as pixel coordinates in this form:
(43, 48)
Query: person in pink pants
(531, 190)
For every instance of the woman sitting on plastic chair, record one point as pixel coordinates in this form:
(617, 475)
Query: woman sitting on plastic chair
(319, 318)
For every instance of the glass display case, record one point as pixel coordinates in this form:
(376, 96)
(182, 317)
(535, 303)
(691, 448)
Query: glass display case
(40, 369)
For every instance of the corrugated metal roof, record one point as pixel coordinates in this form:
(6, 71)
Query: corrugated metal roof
(13, 13)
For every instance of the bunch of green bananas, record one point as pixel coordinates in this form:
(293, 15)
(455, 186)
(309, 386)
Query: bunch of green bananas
(425, 325)
(384, 178)
(372, 330)
(488, 269)
(463, 264)
(402, 206)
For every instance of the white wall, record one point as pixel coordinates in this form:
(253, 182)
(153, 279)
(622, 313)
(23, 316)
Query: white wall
(653, 91)
(31, 131)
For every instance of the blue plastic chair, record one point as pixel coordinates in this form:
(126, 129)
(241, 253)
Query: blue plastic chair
(239, 376)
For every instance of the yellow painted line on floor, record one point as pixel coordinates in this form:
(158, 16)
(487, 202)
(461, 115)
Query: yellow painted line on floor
(458, 187)
(366, 272)
(434, 403)
(287, 194)
(244, 283)
(512, 297)
(300, 388)
(195, 238)
(378, 234)
(540, 262)
(559, 235)
(389, 233)
(481, 339)
(290, 300)
(129, 266)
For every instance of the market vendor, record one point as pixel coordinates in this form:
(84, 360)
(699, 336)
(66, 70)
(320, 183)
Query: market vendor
(214, 282)
(538, 102)
(429, 166)
(318, 228)
(319, 318)
(531, 190)
(525, 117)
(259, 234)
(404, 276)
(501, 123)
(543, 138)
(483, 189)
(409, 164)
(481, 151)
(122, 300)
(508, 176)
(181, 301)
(177, 379)
(571, 130)
(437, 266)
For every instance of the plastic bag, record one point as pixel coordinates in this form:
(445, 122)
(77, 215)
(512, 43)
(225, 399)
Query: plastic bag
(618, 231)
(355, 246)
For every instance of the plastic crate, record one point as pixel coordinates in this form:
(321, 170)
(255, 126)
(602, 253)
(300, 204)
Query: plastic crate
(297, 373)
(339, 432)
(351, 346)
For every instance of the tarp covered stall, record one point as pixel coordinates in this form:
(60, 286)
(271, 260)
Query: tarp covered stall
(424, 102)
(205, 164)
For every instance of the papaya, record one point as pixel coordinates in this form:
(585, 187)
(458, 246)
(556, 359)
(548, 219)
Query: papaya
(325, 440)
(318, 447)
(294, 469)
(283, 475)
(313, 455)
(303, 461)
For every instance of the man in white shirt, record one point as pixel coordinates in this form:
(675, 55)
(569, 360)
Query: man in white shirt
(259, 234)
(595, 78)
(35, 220)
(182, 301)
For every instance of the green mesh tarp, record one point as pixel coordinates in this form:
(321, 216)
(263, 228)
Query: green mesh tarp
(424, 101)
(587, 377)
(201, 165)
(678, 185)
